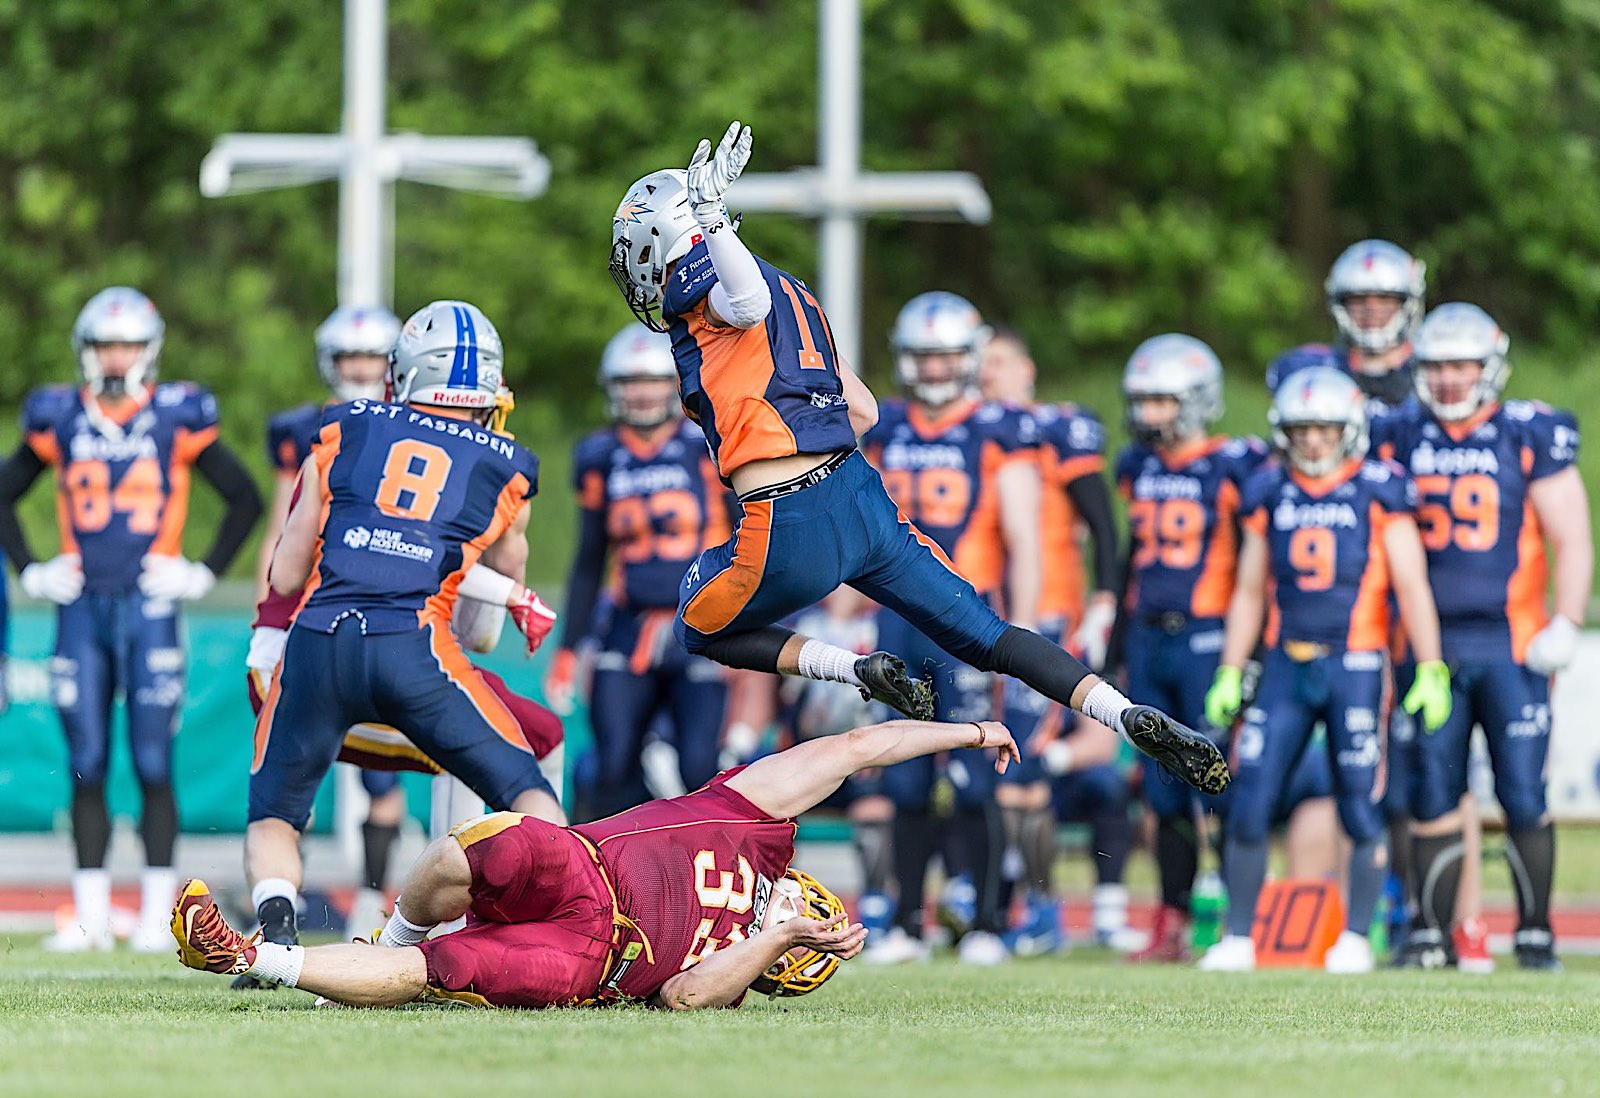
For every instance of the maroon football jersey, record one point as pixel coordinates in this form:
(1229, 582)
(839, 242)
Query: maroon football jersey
(693, 873)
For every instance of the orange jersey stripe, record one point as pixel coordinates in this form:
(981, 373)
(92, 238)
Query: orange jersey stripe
(1526, 609)
(169, 536)
(1214, 589)
(459, 670)
(441, 604)
(735, 370)
(1369, 614)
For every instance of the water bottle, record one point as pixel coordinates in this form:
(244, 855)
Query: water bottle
(1209, 905)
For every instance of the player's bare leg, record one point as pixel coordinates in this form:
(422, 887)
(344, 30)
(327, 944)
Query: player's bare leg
(1313, 840)
(357, 975)
(438, 890)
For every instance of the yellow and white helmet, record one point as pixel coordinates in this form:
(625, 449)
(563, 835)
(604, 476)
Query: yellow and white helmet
(801, 970)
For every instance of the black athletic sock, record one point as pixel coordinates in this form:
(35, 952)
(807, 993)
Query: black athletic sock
(1111, 839)
(914, 840)
(1246, 870)
(756, 650)
(1177, 860)
(874, 841)
(1437, 870)
(158, 826)
(276, 914)
(378, 843)
(1367, 870)
(984, 838)
(1040, 663)
(1532, 854)
(91, 825)
(1401, 859)
(1037, 842)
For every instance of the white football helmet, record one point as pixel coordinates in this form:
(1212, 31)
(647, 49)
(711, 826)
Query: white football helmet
(1178, 366)
(652, 227)
(1376, 267)
(118, 314)
(637, 352)
(938, 323)
(449, 356)
(1459, 332)
(1320, 394)
(354, 330)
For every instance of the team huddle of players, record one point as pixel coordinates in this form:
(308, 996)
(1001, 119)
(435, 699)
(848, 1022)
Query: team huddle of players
(1391, 540)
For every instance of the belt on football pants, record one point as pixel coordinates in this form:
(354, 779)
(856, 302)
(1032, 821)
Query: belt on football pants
(805, 480)
(628, 942)
(1305, 651)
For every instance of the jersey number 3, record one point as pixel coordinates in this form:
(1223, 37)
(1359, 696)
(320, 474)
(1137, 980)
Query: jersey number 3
(414, 474)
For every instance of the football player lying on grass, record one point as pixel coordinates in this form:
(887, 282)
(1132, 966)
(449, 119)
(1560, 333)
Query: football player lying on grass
(681, 903)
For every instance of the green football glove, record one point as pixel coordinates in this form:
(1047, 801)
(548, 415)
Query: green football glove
(1430, 695)
(1225, 697)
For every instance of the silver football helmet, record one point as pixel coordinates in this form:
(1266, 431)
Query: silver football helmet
(118, 314)
(651, 228)
(1459, 332)
(1322, 395)
(354, 330)
(637, 352)
(449, 356)
(1376, 267)
(938, 323)
(1177, 366)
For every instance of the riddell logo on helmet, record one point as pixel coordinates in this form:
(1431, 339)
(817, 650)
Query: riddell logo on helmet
(473, 398)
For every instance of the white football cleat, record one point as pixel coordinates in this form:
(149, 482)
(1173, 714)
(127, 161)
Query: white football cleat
(1351, 955)
(979, 947)
(1235, 953)
(896, 948)
(75, 939)
(152, 936)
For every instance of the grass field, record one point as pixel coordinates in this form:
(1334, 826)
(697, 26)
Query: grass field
(133, 1026)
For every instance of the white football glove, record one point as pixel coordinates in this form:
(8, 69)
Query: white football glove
(174, 579)
(58, 580)
(1552, 647)
(711, 176)
(1093, 636)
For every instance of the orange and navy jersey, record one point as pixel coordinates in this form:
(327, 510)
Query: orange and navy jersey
(941, 472)
(1072, 444)
(290, 435)
(765, 392)
(694, 875)
(662, 505)
(1486, 554)
(289, 438)
(1328, 566)
(409, 502)
(1183, 512)
(122, 484)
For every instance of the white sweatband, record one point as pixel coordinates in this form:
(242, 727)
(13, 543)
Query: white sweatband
(266, 648)
(741, 296)
(1105, 703)
(486, 585)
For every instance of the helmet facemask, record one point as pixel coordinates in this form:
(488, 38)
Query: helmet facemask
(801, 970)
(1459, 332)
(1320, 396)
(118, 315)
(652, 228)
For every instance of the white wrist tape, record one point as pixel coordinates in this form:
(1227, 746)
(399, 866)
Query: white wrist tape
(486, 585)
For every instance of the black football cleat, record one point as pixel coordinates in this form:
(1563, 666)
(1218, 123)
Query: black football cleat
(1536, 950)
(1181, 750)
(1425, 949)
(884, 679)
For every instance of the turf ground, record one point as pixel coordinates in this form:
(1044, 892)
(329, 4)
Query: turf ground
(133, 1026)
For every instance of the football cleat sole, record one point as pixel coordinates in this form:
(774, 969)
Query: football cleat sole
(884, 679)
(1188, 754)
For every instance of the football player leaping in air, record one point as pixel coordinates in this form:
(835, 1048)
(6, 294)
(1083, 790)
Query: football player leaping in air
(123, 447)
(683, 903)
(758, 371)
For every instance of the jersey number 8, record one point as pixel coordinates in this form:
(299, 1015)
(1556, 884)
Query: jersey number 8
(413, 481)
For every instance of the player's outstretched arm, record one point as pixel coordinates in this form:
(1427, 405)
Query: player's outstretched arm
(723, 976)
(741, 296)
(792, 781)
